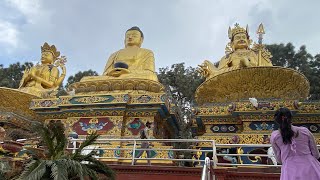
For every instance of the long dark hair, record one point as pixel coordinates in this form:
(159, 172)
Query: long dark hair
(283, 117)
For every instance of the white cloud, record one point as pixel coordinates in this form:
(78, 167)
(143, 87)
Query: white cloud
(87, 32)
(29, 8)
(8, 35)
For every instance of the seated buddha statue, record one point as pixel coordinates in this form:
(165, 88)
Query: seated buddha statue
(132, 62)
(238, 54)
(43, 79)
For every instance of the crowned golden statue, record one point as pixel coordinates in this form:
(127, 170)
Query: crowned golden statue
(130, 68)
(246, 72)
(44, 79)
(239, 54)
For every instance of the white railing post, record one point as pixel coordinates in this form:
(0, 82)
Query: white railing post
(134, 151)
(214, 157)
(214, 154)
(206, 169)
(74, 144)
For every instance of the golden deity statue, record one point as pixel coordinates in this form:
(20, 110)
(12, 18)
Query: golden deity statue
(239, 54)
(132, 62)
(131, 69)
(43, 79)
(246, 72)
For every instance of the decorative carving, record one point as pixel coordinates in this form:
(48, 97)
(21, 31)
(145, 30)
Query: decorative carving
(43, 103)
(110, 126)
(124, 85)
(17, 102)
(101, 99)
(135, 124)
(259, 82)
(224, 128)
(144, 98)
(92, 99)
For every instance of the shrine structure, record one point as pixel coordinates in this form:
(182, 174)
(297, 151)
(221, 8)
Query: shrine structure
(116, 105)
(238, 99)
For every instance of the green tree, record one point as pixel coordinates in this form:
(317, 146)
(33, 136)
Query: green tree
(283, 55)
(58, 164)
(315, 78)
(181, 81)
(79, 75)
(302, 61)
(181, 84)
(11, 76)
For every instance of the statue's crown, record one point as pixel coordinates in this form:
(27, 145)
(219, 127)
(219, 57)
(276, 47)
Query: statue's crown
(47, 48)
(236, 30)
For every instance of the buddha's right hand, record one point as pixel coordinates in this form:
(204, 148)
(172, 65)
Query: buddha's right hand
(205, 69)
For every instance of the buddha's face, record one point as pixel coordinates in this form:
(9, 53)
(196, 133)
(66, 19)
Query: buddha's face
(240, 41)
(47, 57)
(133, 38)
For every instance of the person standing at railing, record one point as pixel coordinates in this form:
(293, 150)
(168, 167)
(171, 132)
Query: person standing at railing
(72, 143)
(145, 134)
(295, 148)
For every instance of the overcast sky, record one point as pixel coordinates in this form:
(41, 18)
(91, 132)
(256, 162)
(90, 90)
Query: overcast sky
(190, 31)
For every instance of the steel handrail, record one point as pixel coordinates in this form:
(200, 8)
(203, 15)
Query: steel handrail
(151, 140)
(214, 162)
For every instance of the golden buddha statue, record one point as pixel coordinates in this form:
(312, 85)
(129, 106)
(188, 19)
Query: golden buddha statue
(238, 53)
(132, 62)
(43, 79)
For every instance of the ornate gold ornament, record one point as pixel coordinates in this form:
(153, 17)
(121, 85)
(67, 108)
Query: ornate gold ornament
(95, 86)
(17, 102)
(259, 82)
(91, 99)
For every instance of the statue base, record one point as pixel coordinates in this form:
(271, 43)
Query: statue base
(113, 116)
(102, 85)
(41, 93)
(259, 82)
(15, 108)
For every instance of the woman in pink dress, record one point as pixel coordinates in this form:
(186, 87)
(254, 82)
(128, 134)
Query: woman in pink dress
(295, 148)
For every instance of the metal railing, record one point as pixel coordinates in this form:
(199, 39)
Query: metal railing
(208, 164)
(135, 148)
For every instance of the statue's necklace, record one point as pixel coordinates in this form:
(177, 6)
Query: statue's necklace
(242, 53)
